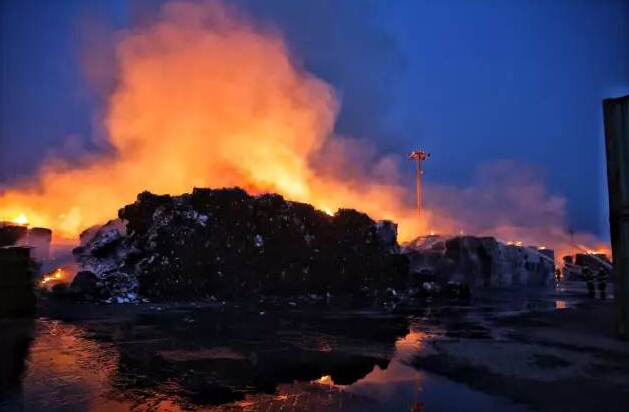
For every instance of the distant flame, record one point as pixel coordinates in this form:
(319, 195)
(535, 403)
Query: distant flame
(325, 380)
(327, 211)
(56, 276)
(20, 219)
(593, 252)
(514, 243)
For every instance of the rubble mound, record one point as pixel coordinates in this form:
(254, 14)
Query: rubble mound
(227, 243)
(480, 262)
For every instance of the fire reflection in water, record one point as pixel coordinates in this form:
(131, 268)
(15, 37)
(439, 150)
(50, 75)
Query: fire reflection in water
(64, 371)
(69, 369)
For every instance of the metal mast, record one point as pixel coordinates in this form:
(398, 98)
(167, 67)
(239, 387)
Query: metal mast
(419, 156)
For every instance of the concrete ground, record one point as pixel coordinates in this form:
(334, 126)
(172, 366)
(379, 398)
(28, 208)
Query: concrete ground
(550, 360)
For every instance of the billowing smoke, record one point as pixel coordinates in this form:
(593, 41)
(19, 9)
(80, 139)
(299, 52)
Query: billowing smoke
(206, 98)
(509, 200)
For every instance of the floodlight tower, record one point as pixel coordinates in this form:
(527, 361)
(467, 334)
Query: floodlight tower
(419, 156)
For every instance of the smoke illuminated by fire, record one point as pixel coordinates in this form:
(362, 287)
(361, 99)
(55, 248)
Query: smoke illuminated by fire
(206, 98)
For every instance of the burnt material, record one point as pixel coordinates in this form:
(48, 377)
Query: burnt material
(17, 297)
(84, 286)
(227, 243)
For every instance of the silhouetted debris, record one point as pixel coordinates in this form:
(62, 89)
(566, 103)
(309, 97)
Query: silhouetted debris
(457, 290)
(10, 234)
(227, 243)
(479, 261)
(84, 286)
(60, 290)
(387, 231)
(17, 296)
(16, 338)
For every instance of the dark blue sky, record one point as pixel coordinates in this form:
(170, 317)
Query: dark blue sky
(472, 81)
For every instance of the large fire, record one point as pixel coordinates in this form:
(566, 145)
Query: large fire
(206, 98)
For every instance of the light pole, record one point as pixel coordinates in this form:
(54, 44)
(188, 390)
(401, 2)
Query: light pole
(419, 156)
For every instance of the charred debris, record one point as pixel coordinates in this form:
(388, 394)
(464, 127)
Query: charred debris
(226, 244)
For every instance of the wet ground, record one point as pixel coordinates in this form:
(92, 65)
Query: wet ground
(555, 351)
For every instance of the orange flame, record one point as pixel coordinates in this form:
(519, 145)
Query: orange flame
(57, 275)
(324, 380)
(20, 219)
(204, 99)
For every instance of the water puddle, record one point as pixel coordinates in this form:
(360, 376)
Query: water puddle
(215, 361)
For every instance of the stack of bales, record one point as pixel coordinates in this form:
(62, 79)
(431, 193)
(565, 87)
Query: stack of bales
(483, 261)
(11, 234)
(17, 298)
(37, 238)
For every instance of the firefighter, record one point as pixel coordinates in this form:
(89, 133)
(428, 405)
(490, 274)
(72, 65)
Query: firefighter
(601, 278)
(589, 278)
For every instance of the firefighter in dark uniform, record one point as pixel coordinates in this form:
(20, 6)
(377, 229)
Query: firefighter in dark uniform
(601, 278)
(589, 278)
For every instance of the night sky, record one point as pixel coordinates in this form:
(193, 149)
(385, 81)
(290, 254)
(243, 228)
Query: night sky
(470, 81)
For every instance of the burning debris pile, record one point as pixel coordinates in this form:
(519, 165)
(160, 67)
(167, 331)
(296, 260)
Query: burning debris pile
(226, 243)
(481, 261)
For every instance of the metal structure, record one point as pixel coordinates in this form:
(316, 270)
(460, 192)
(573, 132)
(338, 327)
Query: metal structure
(616, 112)
(419, 156)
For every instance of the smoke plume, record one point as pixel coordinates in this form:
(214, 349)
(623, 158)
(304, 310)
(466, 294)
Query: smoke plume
(206, 98)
